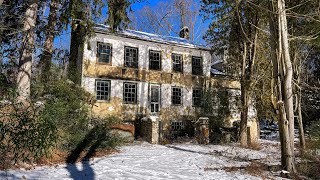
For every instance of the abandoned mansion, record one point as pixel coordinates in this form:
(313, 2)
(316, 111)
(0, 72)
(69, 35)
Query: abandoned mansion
(134, 74)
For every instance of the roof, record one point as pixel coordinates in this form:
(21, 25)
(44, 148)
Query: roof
(152, 37)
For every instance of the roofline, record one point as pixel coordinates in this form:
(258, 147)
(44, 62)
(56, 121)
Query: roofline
(137, 38)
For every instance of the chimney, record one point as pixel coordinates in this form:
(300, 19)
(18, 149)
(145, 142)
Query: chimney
(184, 32)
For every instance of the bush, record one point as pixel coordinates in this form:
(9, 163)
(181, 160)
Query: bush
(65, 105)
(24, 134)
(58, 117)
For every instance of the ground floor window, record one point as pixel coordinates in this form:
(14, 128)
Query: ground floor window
(196, 97)
(129, 93)
(102, 89)
(177, 125)
(176, 96)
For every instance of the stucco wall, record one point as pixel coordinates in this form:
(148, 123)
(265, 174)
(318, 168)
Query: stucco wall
(118, 74)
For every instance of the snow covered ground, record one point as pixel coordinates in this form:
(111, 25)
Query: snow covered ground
(173, 161)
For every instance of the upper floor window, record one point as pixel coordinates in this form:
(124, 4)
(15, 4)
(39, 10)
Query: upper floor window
(176, 96)
(104, 52)
(197, 65)
(131, 57)
(102, 90)
(196, 97)
(154, 60)
(177, 65)
(130, 93)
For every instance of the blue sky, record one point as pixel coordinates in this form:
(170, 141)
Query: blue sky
(63, 41)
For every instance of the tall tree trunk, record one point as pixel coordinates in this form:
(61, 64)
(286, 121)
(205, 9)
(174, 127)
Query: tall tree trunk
(45, 61)
(244, 100)
(76, 44)
(25, 62)
(283, 76)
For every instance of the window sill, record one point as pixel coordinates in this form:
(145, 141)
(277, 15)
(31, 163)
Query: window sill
(158, 70)
(177, 72)
(129, 103)
(102, 101)
(103, 63)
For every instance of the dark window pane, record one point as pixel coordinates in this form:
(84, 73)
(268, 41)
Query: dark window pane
(176, 96)
(131, 57)
(102, 90)
(104, 52)
(196, 97)
(177, 63)
(130, 93)
(154, 60)
(197, 65)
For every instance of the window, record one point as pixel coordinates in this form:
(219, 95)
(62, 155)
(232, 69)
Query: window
(196, 65)
(130, 93)
(196, 97)
(154, 60)
(104, 52)
(131, 57)
(177, 125)
(155, 98)
(176, 96)
(177, 65)
(103, 90)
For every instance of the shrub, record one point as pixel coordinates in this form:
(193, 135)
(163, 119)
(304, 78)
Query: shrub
(24, 134)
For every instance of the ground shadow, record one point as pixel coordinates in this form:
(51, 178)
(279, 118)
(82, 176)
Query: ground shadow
(88, 145)
(188, 150)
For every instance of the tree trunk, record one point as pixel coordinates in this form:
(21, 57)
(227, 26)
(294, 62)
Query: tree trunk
(244, 100)
(301, 131)
(25, 62)
(282, 75)
(288, 93)
(77, 40)
(45, 61)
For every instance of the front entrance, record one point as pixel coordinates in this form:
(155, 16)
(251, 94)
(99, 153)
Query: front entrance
(155, 95)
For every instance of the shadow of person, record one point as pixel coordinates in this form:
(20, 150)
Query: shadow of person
(91, 141)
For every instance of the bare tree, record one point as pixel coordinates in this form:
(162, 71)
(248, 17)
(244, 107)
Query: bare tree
(163, 20)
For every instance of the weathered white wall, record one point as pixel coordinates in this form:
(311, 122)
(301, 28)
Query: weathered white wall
(143, 93)
(118, 43)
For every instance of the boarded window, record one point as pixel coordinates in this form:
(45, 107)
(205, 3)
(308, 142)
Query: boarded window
(154, 60)
(176, 96)
(102, 90)
(196, 97)
(131, 57)
(104, 52)
(197, 65)
(130, 93)
(177, 65)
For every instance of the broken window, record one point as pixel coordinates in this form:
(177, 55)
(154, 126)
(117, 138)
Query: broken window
(154, 60)
(176, 96)
(104, 52)
(196, 97)
(196, 65)
(131, 57)
(130, 93)
(177, 65)
(102, 90)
